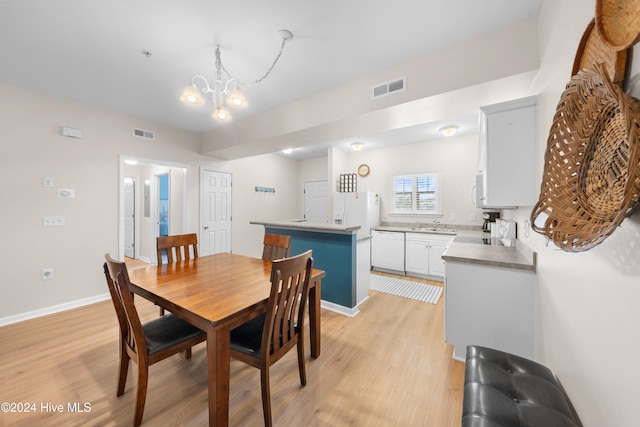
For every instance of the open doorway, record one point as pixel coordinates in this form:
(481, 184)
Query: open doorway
(129, 193)
(163, 204)
(147, 207)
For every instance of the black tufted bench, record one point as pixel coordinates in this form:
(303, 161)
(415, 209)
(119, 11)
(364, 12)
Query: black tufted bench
(504, 390)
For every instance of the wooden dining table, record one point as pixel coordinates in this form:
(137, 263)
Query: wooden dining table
(217, 293)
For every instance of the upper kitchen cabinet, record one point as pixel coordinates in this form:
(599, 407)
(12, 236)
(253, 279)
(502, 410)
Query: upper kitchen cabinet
(506, 157)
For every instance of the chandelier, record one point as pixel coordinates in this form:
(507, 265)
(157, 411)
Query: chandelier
(229, 89)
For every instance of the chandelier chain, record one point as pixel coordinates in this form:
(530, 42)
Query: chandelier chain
(275, 61)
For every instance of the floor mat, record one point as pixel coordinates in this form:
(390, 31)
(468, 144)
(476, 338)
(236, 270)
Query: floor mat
(405, 288)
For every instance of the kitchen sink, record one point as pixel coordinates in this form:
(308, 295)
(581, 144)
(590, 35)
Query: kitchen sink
(434, 229)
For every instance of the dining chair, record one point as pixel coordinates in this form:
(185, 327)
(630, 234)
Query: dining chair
(263, 340)
(276, 246)
(177, 247)
(146, 343)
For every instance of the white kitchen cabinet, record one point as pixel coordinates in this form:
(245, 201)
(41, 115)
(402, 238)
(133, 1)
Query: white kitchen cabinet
(507, 155)
(387, 251)
(490, 306)
(423, 253)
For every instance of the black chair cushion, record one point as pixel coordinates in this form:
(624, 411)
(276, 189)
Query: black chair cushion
(247, 338)
(167, 331)
(502, 389)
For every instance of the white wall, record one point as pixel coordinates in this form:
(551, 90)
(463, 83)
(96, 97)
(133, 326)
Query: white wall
(588, 314)
(268, 170)
(32, 148)
(456, 160)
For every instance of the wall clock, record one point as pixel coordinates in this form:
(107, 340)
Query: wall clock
(363, 170)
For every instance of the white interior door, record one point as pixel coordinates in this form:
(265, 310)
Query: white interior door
(215, 202)
(128, 187)
(315, 201)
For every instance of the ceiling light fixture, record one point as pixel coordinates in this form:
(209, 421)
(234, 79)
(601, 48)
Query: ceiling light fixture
(287, 150)
(449, 130)
(229, 89)
(357, 146)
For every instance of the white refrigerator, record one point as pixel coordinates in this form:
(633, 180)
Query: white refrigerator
(358, 208)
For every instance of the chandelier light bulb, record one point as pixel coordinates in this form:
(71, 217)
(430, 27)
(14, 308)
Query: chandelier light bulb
(191, 96)
(237, 99)
(221, 114)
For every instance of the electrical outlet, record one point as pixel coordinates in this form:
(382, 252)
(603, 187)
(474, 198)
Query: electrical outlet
(47, 273)
(452, 216)
(69, 193)
(472, 217)
(47, 181)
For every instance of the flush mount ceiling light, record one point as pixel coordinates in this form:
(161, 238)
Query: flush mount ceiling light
(287, 150)
(449, 130)
(228, 91)
(357, 146)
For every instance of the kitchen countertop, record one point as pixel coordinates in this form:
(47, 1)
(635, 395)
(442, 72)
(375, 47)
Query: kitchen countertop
(519, 256)
(311, 226)
(426, 230)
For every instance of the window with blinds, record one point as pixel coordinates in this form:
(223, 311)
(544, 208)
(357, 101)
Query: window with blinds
(416, 194)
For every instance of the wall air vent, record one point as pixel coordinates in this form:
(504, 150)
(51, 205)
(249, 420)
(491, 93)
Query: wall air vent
(389, 88)
(147, 134)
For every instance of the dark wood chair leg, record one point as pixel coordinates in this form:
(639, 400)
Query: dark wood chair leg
(141, 395)
(301, 365)
(266, 395)
(124, 368)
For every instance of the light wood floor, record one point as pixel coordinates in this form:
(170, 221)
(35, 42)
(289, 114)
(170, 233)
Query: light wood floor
(388, 366)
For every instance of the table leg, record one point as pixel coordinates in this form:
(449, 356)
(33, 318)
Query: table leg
(218, 367)
(314, 318)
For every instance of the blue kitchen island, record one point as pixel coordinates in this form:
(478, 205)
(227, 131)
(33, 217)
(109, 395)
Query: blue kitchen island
(344, 255)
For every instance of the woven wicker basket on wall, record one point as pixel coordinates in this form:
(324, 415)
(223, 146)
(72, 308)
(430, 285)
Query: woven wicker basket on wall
(591, 178)
(592, 50)
(618, 22)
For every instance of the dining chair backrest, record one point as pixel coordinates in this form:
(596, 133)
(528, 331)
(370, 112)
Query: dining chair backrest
(130, 326)
(287, 301)
(177, 247)
(276, 246)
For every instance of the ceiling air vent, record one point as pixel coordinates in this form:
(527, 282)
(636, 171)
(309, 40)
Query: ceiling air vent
(147, 134)
(389, 88)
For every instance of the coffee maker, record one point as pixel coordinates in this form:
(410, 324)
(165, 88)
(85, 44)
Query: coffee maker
(489, 217)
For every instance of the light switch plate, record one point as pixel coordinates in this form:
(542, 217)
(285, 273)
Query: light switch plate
(53, 221)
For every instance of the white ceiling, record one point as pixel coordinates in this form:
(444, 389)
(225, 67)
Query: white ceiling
(90, 51)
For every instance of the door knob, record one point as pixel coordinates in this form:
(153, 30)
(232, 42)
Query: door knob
(206, 227)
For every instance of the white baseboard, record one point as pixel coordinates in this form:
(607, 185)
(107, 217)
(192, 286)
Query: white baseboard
(53, 309)
(340, 309)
